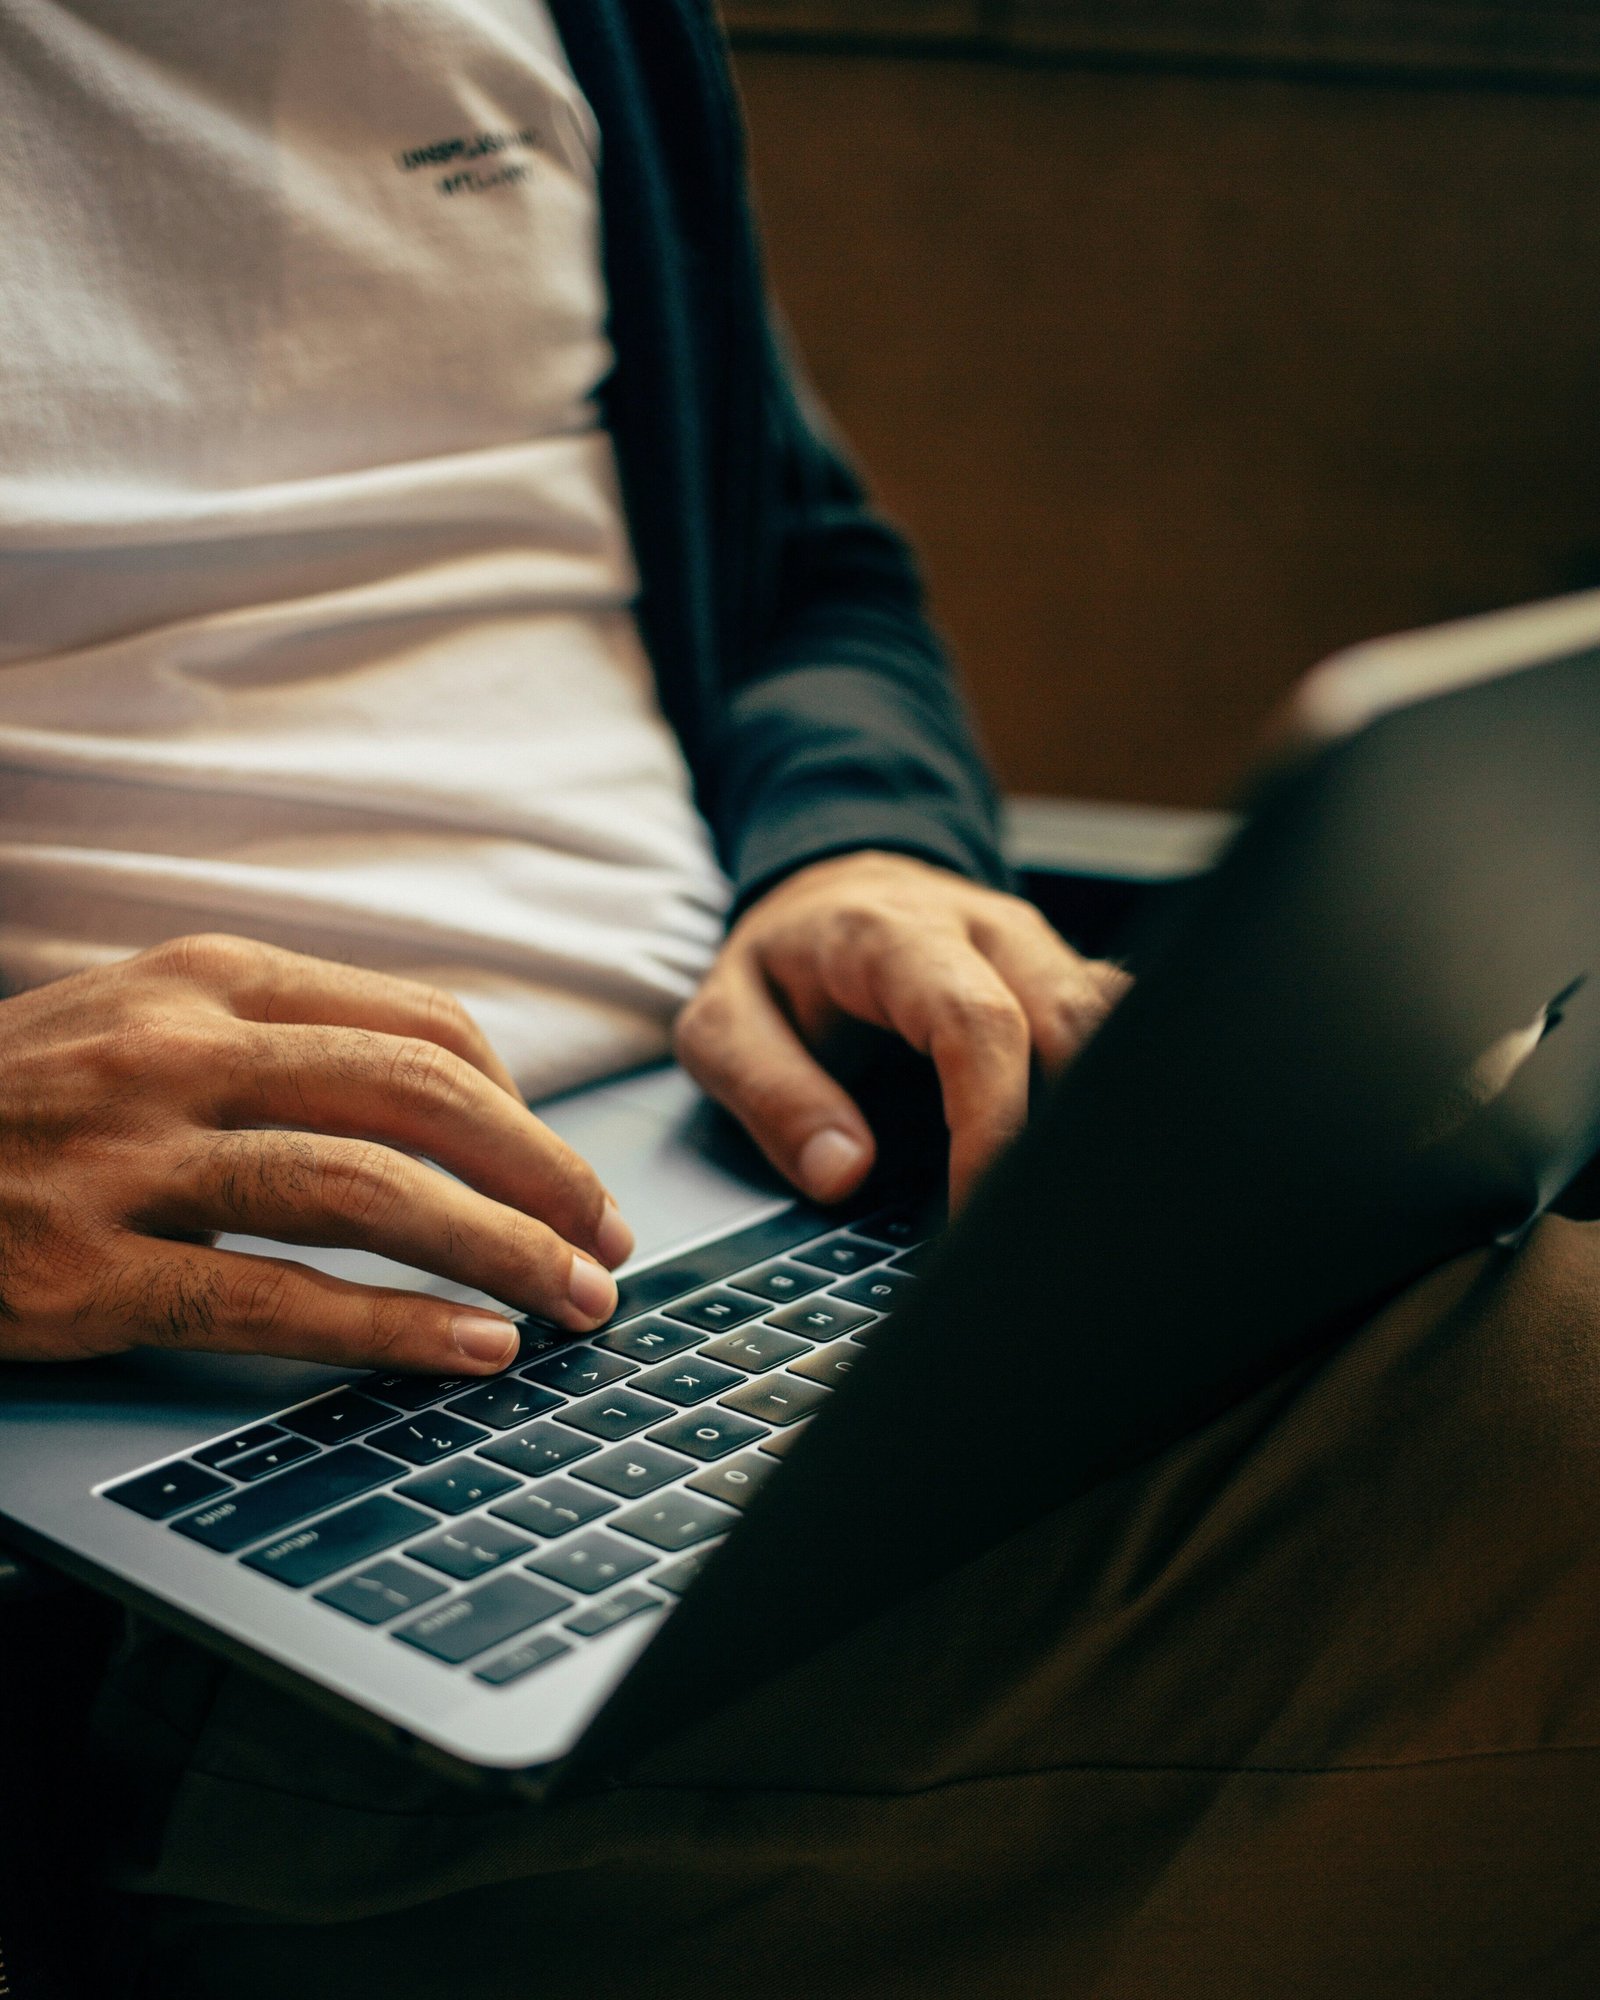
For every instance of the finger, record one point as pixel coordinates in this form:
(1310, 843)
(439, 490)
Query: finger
(262, 982)
(1065, 997)
(735, 1041)
(937, 992)
(167, 1296)
(303, 1187)
(409, 1092)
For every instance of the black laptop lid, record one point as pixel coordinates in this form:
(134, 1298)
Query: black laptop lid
(1368, 1040)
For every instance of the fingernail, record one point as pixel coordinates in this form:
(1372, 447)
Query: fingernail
(828, 1164)
(613, 1239)
(592, 1291)
(485, 1339)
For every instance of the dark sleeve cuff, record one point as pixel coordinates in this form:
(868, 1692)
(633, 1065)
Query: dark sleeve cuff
(819, 761)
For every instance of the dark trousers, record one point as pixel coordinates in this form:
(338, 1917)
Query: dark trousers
(1308, 1706)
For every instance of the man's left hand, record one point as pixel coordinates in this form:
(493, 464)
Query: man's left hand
(975, 980)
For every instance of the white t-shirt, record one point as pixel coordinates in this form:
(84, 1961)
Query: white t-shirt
(315, 591)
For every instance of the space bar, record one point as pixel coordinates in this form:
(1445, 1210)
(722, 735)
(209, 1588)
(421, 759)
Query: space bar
(241, 1518)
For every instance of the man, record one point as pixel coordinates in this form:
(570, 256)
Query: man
(342, 807)
(322, 631)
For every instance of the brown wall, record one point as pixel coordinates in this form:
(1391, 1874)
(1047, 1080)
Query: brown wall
(1182, 379)
(1493, 38)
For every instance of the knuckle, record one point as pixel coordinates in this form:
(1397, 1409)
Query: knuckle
(87, 1316)
(981, 1016)
(866, 929)
(532, 1249)
(170, 1305)
(363, 1184)
(245, 1169)
(424, 1070)
(998, 906)
(46, 1299)
(254, 1299)
(572, 1183)
(391, 1323)
(446, 1018)
(686, 1021)
(704, 1027)
(206, 958)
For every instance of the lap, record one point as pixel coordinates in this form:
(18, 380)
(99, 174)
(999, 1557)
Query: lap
(1309, 1705)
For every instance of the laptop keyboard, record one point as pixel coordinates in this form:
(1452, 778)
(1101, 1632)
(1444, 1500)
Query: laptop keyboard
(494, 1525)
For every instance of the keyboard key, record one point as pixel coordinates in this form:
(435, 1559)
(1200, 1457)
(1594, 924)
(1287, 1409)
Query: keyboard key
(576, 1371)
(782, 1282)
(220, 1456)
(679, 1575)
(374, 1596)
(504, 1403)
(736, 1480)
(820, 1319)
(715, 1312)
(337, 1541)
(332, 1419)
(648, 1340)
(537, 1336)
(915, 1260)
(877, 1289)
(827, 1365)
(414, 1392)
(168, 1490)
(778, 1399)
(781, 1443)
(695, 1269)
(674, 1522)
(430, 1435)
(597, 1618)
(592, 1563)
(645, 1291)
(615, 1413)
(458, 1487)
(327, 1481)
(691, 1380)
(842, 1255)
(709, 1433)
(474, 1620)
(554, 1508)
(539, 1449)
(505, 1668)
(899, 1228)
(633, 1470)
(753, 1348)
(272, 1458)
(468, 1551)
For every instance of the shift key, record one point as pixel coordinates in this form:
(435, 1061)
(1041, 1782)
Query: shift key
(474, 1620)
(241, 1518)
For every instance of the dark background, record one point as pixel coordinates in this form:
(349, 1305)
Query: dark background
(1193, 339)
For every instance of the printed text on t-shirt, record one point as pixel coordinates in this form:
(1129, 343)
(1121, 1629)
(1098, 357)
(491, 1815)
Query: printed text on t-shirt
(462, 154)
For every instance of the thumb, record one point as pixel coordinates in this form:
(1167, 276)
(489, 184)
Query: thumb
(736, 1042)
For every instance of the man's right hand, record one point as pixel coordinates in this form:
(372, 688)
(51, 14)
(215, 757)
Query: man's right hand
(214, 1084)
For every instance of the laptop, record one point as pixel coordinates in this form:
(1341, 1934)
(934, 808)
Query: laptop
(1367, 1039)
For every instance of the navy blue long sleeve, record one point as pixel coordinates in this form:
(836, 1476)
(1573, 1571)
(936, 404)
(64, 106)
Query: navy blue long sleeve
(785, 618)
